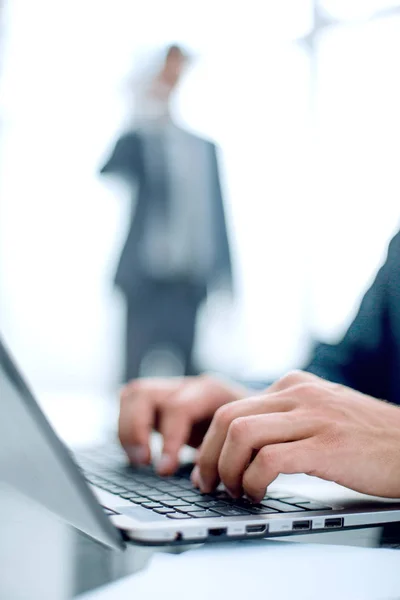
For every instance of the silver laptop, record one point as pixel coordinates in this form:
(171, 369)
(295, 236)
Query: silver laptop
(101, 495)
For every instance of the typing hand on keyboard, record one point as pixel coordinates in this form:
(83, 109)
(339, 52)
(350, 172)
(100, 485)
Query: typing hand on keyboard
(175, 497)
(181, 409)
(302, 424)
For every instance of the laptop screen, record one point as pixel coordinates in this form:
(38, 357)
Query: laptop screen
(34, 461)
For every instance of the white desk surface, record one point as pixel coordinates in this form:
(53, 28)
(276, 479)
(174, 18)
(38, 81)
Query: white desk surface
(270, 570)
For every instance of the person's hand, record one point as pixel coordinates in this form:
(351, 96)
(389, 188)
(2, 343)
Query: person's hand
(302, 424)
(181, 409)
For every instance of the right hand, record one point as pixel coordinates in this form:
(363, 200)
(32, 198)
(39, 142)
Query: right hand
(181, 409)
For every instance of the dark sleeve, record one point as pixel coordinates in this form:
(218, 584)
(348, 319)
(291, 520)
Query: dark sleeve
(362, 360)
(124, 159)
(224, 263)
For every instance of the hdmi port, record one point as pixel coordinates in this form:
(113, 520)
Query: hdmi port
(301, 525)
(255, 528)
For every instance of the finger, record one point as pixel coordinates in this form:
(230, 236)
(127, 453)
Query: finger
(249, 434)
(136, 420)
(289, 458)
(182, 416)
(175, 428)
(216, 435)
(294, 378)
(138, 409)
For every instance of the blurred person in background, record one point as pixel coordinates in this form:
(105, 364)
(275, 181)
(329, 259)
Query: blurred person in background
(177, 245)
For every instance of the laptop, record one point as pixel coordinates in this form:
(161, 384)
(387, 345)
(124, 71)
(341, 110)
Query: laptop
(97, 492)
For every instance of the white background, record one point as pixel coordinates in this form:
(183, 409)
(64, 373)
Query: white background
(309, 155)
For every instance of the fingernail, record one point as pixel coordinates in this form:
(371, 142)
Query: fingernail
(206, 489)
(250, 499)
(137, 454)
(198, 481)
(232, 494)
(165, 463)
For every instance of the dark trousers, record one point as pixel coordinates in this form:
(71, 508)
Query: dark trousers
(161, 314)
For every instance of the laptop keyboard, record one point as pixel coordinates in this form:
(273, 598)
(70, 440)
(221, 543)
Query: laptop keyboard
(175, 497)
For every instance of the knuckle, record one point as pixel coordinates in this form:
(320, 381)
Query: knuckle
(269, 458)
(206, 380)
(293, 378)
(275, 461)
(175, 402)
(223, 416)
(188, 393)
(308, 392)
(239, 429)
(208, 385)
(129, 389)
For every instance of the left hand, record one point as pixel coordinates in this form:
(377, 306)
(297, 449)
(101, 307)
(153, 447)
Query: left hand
(302, 424)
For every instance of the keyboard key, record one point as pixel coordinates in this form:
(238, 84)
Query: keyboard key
(138, 500)
(175, 503)
(186, 484)
(294, 500)
(93, 479)
(244, 503)
(114, 489)
(281, 506)
(277, 495)
(211, 504)
(188, 509)
(128, 494)
(143, 489)
(187, 494)
(314, 506)
(230, 511)
(207, 497)
(163, 510)
(131, 496)
(223, 496)
(158, 495)
(120, 479)
(174, 480)
(151, 505)
(104, 485)
(167, 488)
(194, 498)
(177, 516)
(260, 510)
(162, 498)
(136, 479)
(204, 514)
(123, 484)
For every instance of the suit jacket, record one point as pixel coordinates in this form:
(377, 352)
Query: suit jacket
(368, 357)
(128, 161)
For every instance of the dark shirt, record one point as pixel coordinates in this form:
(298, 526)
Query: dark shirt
(368, 357)
(128, 161)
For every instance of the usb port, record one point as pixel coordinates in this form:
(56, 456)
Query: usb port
(255, 528)
(333, 523)
(217, 531)
(301, 525)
